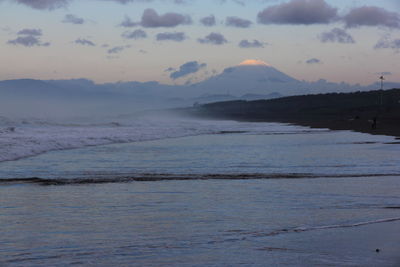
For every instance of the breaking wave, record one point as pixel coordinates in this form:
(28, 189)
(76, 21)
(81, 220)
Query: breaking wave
(25, 138)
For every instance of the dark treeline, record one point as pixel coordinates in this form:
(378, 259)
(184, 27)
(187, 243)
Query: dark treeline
(346, 111)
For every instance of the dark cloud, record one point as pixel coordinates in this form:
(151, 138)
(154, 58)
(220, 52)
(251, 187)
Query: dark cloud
(136, 34)
(116, 49)
(208, 21)
(336, 35)
(239, 2)
(28, 41)
(372, 16)
(313, 61)
(213, 38)
(186, 69)
(384, 73)
(33, 32)
(388, 43)
(171, 36)
(128, 23)
(44, 4)
(238, 22)
(54, 4)
(25, 41)
(69, 18)
(170, 69)
(146, 1)
(253, 44)
(180, 2)
(127, 1)
(151, 19)
(84, 42)
(29, 38)
(303, 12)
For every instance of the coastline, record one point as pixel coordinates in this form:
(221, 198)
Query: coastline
(345, 111)
(384, 126)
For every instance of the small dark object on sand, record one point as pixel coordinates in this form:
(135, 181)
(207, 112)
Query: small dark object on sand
(373, 126)
(377, 250)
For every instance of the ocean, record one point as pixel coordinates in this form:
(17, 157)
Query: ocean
(169, 191)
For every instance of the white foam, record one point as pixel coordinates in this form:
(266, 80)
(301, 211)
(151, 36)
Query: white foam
(24, 138)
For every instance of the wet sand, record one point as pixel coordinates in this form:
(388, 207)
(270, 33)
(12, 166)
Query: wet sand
(368, 245)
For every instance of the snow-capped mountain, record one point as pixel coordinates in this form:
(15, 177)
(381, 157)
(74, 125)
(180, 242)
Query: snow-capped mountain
(249, 77)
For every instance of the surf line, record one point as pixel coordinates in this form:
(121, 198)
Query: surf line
(306, 229)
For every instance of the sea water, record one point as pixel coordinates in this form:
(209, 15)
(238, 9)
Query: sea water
(187, 192)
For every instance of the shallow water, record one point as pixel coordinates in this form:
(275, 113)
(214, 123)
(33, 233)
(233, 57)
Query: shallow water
(297, 152)
(217, 222)
(233, 208)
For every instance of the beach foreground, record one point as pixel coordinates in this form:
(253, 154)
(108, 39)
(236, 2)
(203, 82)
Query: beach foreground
(292, 206)
(197, 223)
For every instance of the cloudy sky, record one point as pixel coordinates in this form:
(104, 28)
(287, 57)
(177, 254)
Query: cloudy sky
(173, 41)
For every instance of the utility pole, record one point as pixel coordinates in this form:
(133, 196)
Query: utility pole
(382, 79)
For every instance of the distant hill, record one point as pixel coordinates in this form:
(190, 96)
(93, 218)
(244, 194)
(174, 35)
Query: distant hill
(204, 99)
(26, 87)
(250, 97)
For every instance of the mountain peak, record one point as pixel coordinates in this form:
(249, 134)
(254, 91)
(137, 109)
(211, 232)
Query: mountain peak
(249, 77)
(254, 62)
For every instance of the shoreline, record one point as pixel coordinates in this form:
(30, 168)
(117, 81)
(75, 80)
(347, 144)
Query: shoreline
(374, 112)
(384, 127)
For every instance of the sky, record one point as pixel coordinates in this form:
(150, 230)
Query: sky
(181, 41)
